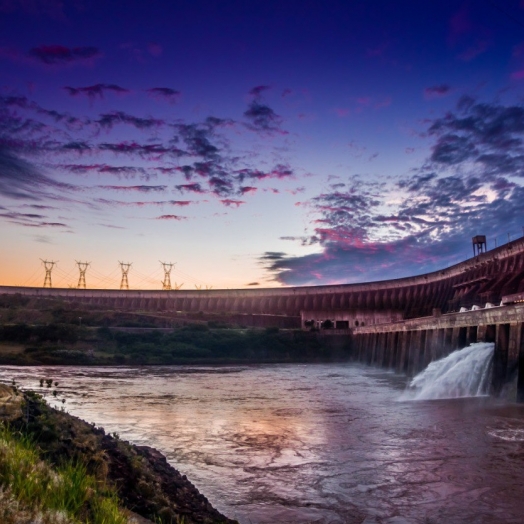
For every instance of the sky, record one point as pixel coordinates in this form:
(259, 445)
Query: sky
(257, 144)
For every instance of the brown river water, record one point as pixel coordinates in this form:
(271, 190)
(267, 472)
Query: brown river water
(311, 443)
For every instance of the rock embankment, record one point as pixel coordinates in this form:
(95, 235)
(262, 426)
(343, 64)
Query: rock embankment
(147, 485)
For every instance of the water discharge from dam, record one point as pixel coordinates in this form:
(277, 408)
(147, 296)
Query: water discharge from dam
(314, 443)
(463, 373)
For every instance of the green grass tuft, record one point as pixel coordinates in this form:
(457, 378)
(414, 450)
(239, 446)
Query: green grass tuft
(32, 490)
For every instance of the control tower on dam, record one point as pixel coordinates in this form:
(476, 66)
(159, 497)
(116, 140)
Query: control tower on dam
(484, 279)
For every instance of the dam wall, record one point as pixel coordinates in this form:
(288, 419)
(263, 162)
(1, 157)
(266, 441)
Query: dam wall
(481, 280)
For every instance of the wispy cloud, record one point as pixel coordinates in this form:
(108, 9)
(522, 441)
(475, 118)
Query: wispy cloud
(109, 120)
(96, 91)
(171, 217)
(260, 116)
(21, 180)
(191, 188)
(164, 94)
(140, 189)
(59, 54)
(230, 202)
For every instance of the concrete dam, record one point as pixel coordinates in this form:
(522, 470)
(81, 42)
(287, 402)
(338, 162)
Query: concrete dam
(401, 324)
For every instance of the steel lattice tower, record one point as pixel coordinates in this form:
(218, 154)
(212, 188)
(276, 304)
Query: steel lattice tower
(124, 284)
(48, 264)
(168, 266)
(82, 267)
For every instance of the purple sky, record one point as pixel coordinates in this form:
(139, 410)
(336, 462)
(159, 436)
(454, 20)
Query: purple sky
(257, 143)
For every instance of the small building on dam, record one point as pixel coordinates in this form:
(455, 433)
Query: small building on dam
(402, 324)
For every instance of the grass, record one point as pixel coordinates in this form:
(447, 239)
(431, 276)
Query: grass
(32, 491)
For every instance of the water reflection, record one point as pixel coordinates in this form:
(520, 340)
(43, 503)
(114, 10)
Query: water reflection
(325, 443)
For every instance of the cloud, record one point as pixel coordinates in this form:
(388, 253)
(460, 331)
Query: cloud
(60, 55)
(436, 91)
(260, 116)
(471, 183)
(108, 120)
(247, 189)
(280, 171)
(258, 90)
(23, 102)
(21, 180)
(263, 118)
(29, 220)
(158, 203)
(97, 90)
(220, 186)
(119, 171)
(145, 150)
(488, 135)
(171, 217)
(198, 139)
(191, 188)
(140, 189)
(199, 152)
(164, 94)
(229, 202)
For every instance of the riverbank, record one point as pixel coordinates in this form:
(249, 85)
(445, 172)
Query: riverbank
(140, 476)
(67, 344)
(37, 331)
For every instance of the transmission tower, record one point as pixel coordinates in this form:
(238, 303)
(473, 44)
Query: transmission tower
(178, 286)
(168, 266)
(48, 265)
(82, 267)
(124, 283)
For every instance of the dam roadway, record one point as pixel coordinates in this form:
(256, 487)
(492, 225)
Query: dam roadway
(401, 324)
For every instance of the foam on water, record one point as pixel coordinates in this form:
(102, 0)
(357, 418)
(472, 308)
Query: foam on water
(463, 373)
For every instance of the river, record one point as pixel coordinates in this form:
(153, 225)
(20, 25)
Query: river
(329, 443)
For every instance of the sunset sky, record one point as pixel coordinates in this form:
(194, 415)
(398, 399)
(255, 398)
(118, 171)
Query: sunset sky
(257, 143)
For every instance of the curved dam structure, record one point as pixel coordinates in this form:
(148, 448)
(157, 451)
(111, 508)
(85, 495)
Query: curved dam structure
(401, 324)
(486, 278)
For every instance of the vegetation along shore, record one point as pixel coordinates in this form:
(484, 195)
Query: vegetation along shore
(53, 332)
(58, 469)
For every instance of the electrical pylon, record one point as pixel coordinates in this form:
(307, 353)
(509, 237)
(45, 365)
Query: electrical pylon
(168, 266)
(178, 286)
(48, 264)
(200, 287)
(124, 283)
(82, 267)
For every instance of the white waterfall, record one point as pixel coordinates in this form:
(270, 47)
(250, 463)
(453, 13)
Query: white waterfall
(463, 373)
